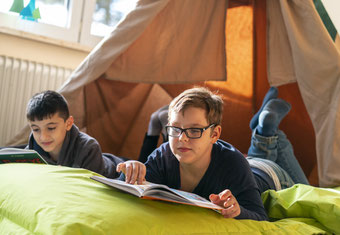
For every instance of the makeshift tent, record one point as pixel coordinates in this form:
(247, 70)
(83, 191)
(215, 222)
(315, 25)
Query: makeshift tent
(163, 47)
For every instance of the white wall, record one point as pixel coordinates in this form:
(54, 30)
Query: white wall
(17, 85)
(53, 52)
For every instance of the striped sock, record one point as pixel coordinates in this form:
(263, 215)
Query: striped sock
(271, 94)
(270, 117)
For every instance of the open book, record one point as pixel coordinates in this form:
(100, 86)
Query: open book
(162, 192)
(8, 155)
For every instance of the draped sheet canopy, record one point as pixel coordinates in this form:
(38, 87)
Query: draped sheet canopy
(128, 75)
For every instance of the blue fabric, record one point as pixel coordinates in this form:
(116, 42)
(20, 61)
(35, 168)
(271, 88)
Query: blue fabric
(284, 180)
(228, 169)
(279, 150)
(263, 180)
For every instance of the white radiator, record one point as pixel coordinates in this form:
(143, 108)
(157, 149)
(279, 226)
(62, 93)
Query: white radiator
(19, 81)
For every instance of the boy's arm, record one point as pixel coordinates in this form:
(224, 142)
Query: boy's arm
(248, 195)
(92, 158)
(251, 206)
(237, 188)
(152, 170)
(88, 155)
(249, 201)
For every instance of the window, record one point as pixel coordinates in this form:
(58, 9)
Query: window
(77, 21)
(100, 18)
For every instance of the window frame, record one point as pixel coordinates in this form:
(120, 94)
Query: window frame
(85, 37)
(78, 31)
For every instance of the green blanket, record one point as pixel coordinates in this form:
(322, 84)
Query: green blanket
(45, 199)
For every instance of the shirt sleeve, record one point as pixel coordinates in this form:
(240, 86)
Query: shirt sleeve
(90, 157)
(155, 166)
(248, 194)
(233, 172)
(251, 207)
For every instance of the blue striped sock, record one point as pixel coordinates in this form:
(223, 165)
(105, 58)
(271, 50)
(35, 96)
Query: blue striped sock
(270, 117)
(271, 94)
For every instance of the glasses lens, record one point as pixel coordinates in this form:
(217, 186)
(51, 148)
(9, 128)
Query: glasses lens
(173, 131)
(194, 132)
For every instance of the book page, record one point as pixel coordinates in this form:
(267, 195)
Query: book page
(180, 196)
(159, 192)
(134, 189)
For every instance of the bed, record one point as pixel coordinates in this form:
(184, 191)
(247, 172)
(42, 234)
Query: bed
(46, 199)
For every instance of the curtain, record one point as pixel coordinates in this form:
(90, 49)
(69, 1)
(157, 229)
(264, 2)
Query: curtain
(301, 50)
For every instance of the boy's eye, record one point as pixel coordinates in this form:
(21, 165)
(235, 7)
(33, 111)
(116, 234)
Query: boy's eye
(194, 132)
(51, 128)
(35, 130)
(176, 130)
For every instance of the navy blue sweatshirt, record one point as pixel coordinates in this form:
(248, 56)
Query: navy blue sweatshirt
(228, 169)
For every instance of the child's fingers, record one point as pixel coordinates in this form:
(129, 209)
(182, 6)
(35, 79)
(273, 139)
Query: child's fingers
(134, 174)
(214, 198)
(231, 212)
(128, 173)
(224, 195)
(133, 170)
(120, 167)
(137, 173)
(141, 173)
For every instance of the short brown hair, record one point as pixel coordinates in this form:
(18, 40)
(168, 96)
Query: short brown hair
(45, 104)
(199, 97)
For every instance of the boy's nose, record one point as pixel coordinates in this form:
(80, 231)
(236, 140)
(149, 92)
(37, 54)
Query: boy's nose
(183, 137)
(43, 136)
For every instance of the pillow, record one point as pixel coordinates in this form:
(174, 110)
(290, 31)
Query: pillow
(305, 201)
(47, 199)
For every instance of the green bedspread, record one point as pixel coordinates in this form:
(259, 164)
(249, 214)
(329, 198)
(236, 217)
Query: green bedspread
(45, 199)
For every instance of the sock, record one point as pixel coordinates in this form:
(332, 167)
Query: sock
(155, 126)
(270, 117)
(163, 118)
(271, 94)
(157, 122)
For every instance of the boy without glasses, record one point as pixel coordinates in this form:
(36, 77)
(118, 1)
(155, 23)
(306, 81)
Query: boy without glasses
(195, 160)
(58, 140)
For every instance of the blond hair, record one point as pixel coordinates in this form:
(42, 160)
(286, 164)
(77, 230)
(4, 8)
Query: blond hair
(199, 97)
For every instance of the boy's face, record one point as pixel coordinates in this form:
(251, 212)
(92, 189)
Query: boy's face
(195, 152)
(50, 133)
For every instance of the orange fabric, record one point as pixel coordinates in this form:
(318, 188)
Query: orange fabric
(185, 42)
(117, 113)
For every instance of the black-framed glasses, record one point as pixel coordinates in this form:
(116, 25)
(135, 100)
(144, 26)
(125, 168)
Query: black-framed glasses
(192, 133)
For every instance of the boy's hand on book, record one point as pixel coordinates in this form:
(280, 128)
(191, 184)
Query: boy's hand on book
(134, 171)
(227, 200)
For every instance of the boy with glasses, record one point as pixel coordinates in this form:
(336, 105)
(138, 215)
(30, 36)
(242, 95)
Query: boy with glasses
(195, 160)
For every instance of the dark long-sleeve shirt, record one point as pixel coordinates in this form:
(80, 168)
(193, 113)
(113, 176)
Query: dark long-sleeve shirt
(80, 150)
(228, 169)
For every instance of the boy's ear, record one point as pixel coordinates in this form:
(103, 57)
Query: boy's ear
(216, 133)
(69, 122)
